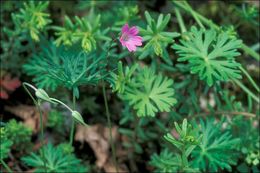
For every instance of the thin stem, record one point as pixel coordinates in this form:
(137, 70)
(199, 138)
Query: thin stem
(251, 52)
(73, 122)
(6, 166)
(180, 20)
(211, 24)
(110, 126)
(250, 78)
(58, 101)
(243, 87)
(42, 135)
(195, 16)
(37, 104)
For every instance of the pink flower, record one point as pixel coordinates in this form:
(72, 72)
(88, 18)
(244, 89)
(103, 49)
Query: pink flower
(129, 38)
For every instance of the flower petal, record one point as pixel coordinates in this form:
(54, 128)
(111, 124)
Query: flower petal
(133, 30)
(130, 47)
(137, 40)
(122, 41)
(125, 28)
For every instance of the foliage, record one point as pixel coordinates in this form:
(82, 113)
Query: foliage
(165, 162)
(187, 140)
(73, 51)
(83, 30)
(210, 55)
(56, 121)
(217, 149)
(5, 144)
(32, 18)
(19, 134)
(148, 93)
(141, 132)
(157, 38)
(56, 160)
(56, 66)
(123, 78)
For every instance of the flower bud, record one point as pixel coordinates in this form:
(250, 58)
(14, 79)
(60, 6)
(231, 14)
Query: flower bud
(76, 115)
(41, 94)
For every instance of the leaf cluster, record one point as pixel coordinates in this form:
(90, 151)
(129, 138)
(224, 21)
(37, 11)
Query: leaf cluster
(157, 39)
(32, 18)
(86, 31)
(19, 134)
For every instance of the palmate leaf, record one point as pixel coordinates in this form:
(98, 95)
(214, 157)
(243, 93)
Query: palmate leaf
(217, 149)
(56, 160)
(210, 55)
(150, 93)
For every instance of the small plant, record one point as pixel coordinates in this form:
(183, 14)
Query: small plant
(188, 139)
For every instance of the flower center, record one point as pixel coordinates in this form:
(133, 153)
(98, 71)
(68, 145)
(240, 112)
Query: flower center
(125, 37)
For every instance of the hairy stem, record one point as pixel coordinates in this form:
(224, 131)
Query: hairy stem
(211, 24)
(6, 166)
(73, 122)
(110, 126)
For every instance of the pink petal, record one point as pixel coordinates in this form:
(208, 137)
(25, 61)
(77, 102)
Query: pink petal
(137, 40)
(130, 47)
(125, 28)
(133, 30)
(122, 41)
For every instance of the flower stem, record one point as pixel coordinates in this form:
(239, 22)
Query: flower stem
(37, 104)
(110, 126)
(209, 23)
(6, 166)
(73, 122)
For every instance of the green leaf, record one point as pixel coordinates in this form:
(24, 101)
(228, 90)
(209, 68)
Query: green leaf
(218, 148)
(57, 160)
(210, 55)
(150, 93)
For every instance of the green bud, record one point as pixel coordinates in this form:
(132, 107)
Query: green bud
(41, 94)
(76, 115)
